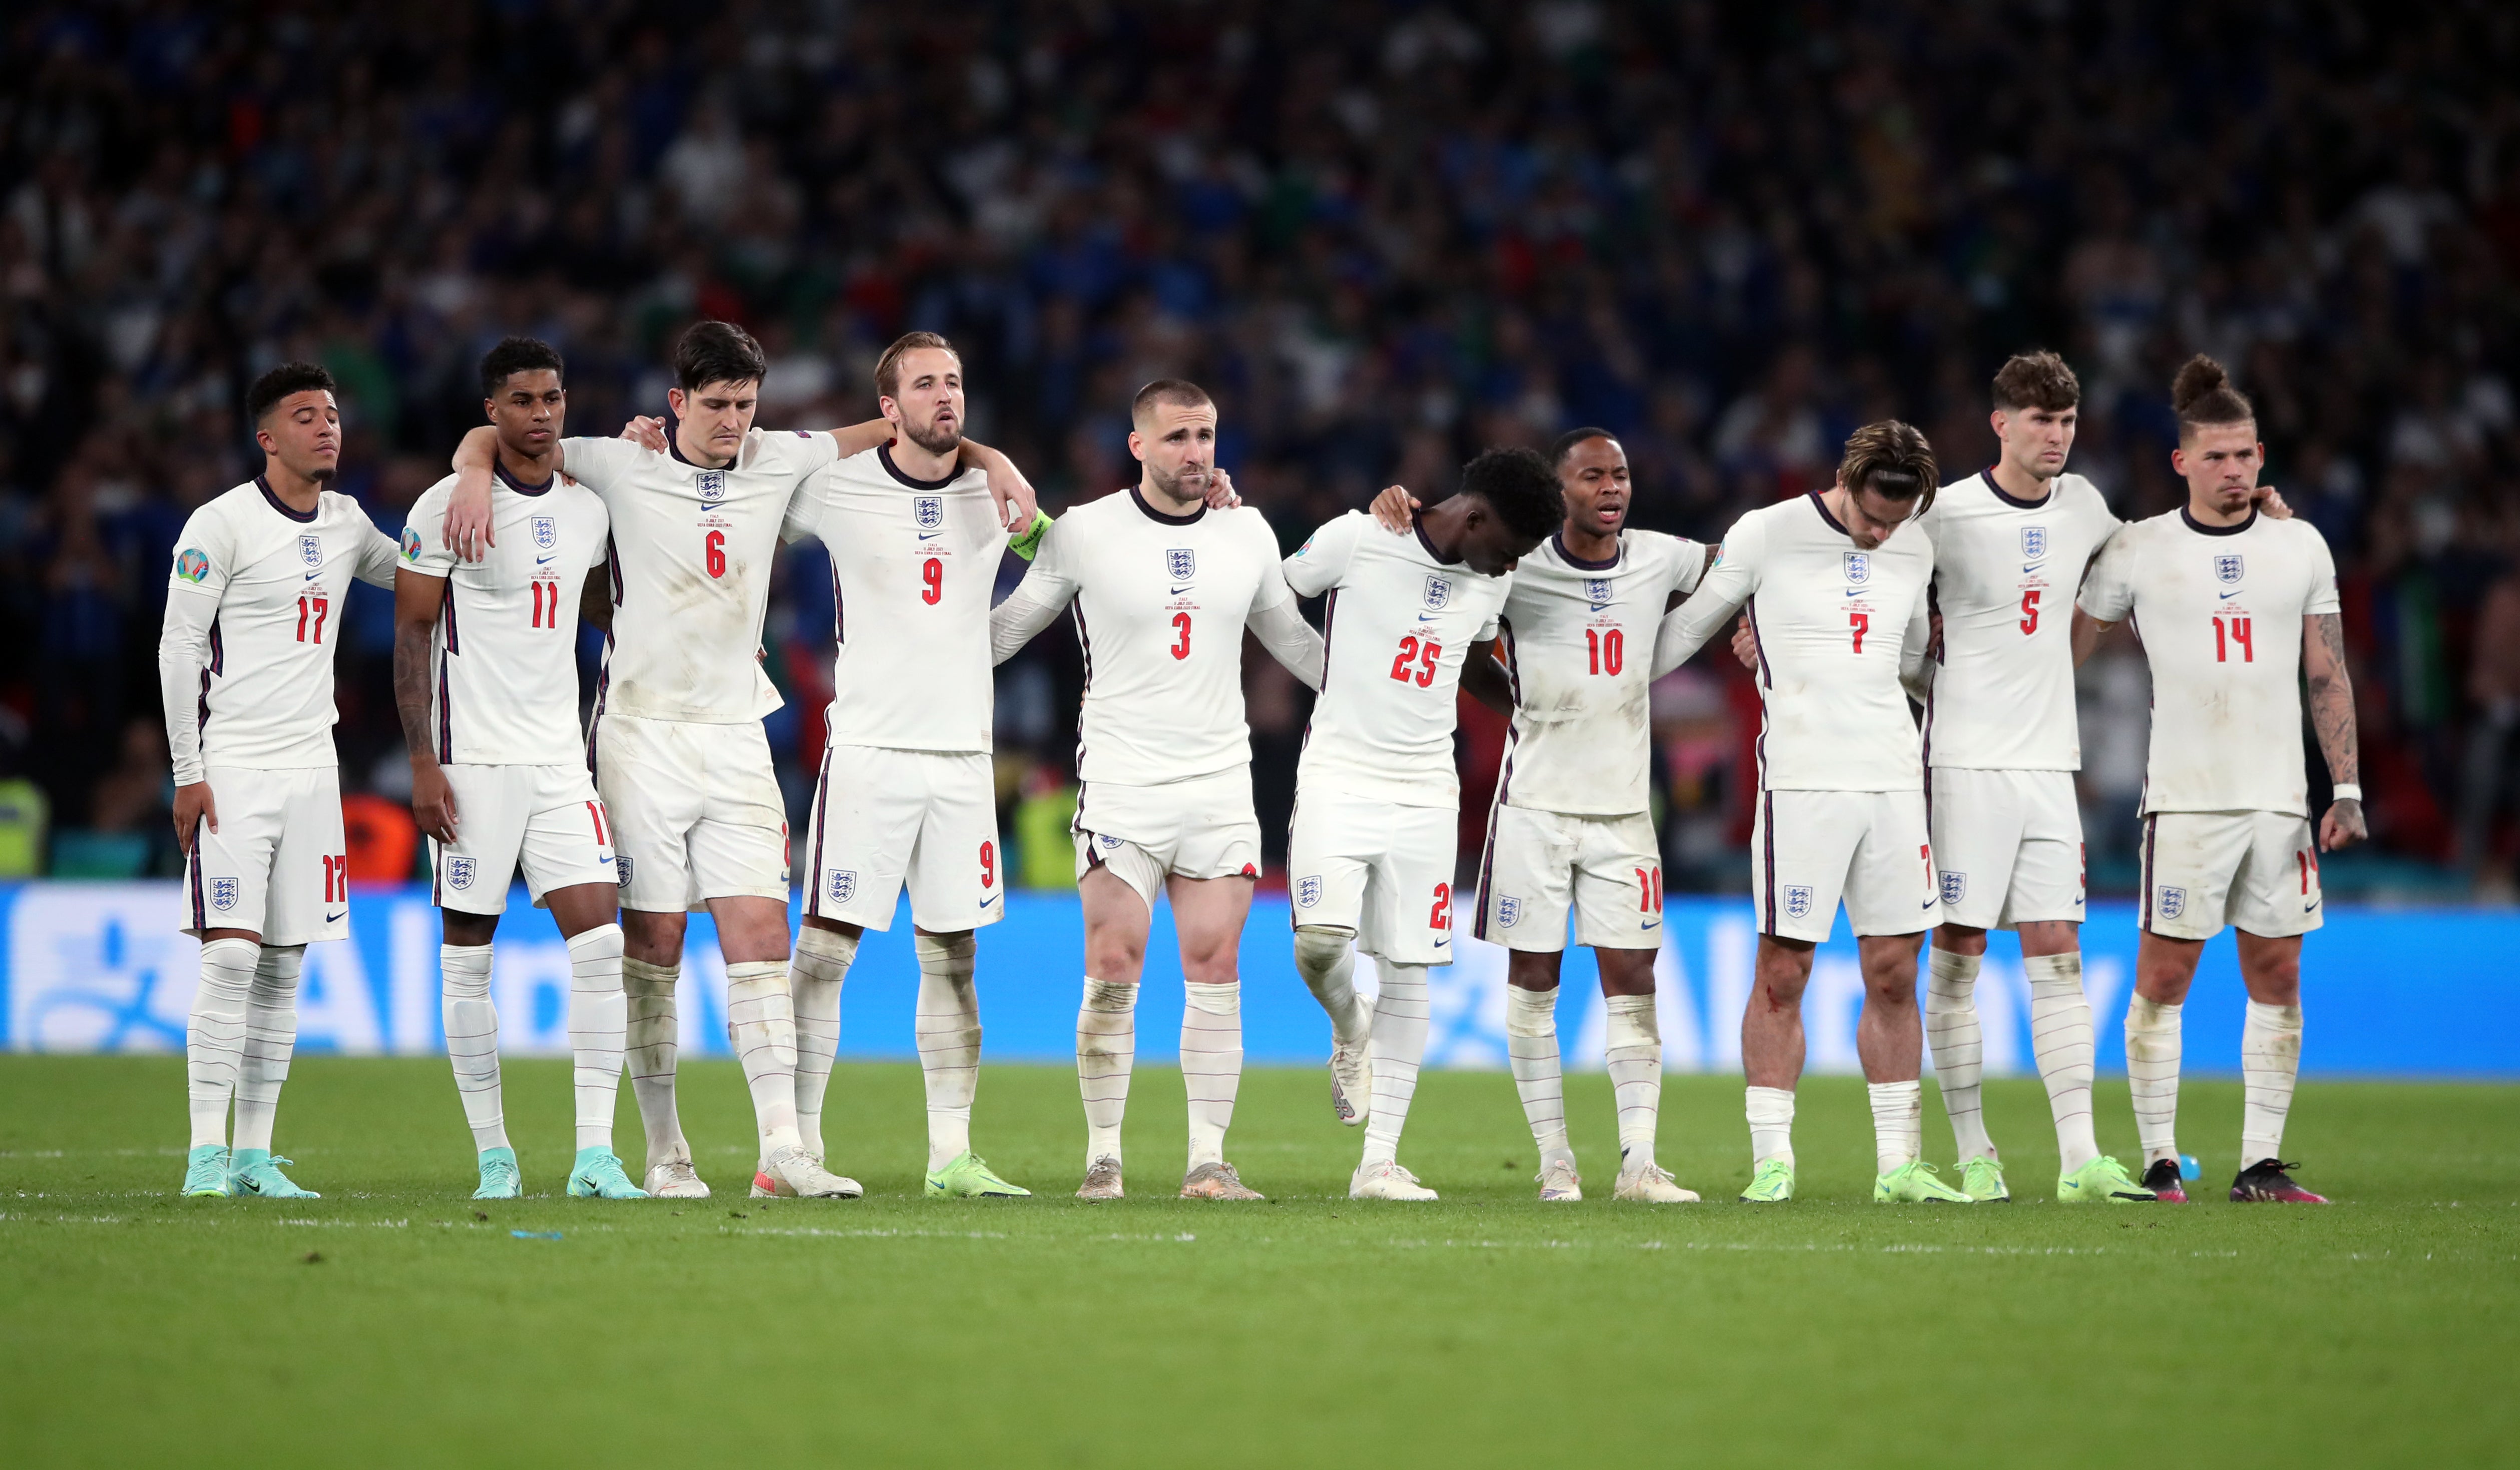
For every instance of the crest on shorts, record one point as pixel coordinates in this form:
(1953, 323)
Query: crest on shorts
(1109, 842)
(928, 511)
(2034, 542)
(711, 485)
(1509, 910)
(1859, 566)
(1955, 886)
(546, 532)
(1180, 561)
(844, 885)
(622, 866)
(2228, 568)
(1798, 901)
(1308, 892)
(223, 894)
(1596, 591)
(459, 872)
(310, 550)
(2172, 902)
(1439, 594)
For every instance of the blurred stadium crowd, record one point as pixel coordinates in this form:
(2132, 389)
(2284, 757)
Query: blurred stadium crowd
(1382, 235)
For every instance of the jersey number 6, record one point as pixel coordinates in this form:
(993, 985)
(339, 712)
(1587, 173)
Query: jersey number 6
(713, 549)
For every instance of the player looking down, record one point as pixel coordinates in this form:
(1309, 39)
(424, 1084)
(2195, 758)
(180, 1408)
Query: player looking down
(1408, 621)
(2235, 609)
(1834, 586)
(1163, 587)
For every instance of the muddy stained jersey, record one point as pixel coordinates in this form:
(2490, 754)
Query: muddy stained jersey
(2220, 611)
(1398, 621)
(279, 579)
(693, 548)
(1161, 601)
(1579, 636)
(1835, 624)
(2005, 573)
(914, 563)
(503, 677)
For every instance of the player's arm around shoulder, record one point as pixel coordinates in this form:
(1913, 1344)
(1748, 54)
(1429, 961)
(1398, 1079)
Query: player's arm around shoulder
(1049, 586)
(1729, 579)
(2107, 595)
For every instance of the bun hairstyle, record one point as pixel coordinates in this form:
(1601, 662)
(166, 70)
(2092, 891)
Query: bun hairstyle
(2203, 395)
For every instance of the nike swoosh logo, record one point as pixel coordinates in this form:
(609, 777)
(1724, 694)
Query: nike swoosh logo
(317, 572)
(986, 902)
(335, 918)
(2234, 592)
(544, 560)
(2034, 566)
(2313, 903)
(1855, 592)
(1426, 618)
(929, 535)
(1931, 902)
(1653, 925)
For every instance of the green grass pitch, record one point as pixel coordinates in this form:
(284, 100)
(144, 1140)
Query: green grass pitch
(395, 1323)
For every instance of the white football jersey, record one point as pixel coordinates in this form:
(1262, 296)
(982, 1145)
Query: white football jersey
(504, 664)
(914, 563)
(279, 578)
(1579, 639)
(1399, 622)
(1833, 622)
(2006, 572)
(2220, 610)
(1160, 602)
(692, 550)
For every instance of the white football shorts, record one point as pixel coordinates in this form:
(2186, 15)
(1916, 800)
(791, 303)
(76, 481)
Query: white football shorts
(1539, 865)
(277, 865)
(884, 820)
(544, 820)
(2007, 847)
(2258, 870)
(1381, 869)
(695, 811)
(1810, 850)
(1202, 827)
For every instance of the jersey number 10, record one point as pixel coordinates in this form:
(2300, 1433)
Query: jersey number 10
(1605, 651)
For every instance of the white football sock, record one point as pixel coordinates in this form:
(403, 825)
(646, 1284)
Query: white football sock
(1634, 1054)
(762, 1029)
(655, 1039)
(821, 963)
(270, 1037)
(214, 1038)
(2060, 1037)
(1959, 1048)
(1400, 1011)
(472, 1040)
(1771, 1112)
(1898, 1123)
(2152, 1076)
(2270, 1062)
(1539, 1078)
(1326, 959)
(948, 1033)
(598, 1022)
(1107, 1047)
(1211, 1058)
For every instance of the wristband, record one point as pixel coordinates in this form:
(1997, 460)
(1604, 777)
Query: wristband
(2346, 790)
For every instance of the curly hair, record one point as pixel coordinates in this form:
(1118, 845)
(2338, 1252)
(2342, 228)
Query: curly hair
(2038, 379)
(1520, 487)
(283, 380)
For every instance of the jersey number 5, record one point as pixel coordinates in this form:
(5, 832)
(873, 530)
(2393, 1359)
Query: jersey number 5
(1423, 658)
(2029, 611)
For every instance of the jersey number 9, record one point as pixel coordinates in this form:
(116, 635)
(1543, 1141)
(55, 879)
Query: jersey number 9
(933, 574)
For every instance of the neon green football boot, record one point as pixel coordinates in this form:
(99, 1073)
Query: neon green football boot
(257, 1172)
(967, 1176)
(597, 1175)
(205, 1172)
(1772, 1184)
(2103, 1180)
(500, 1179)
(1982, 1179)
(1915, 1182)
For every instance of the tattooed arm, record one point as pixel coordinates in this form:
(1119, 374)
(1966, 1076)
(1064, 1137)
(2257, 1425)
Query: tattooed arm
(2331, 715)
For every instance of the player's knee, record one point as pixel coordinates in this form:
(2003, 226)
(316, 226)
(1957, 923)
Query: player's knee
(1319, 950)
(467, 932)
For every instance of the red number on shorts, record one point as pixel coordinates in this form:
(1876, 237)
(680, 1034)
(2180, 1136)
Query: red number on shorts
(1441, 916)
(1180, 625)
(988, 864)
(2238, 633)
(1605, 651)
(933, 574)
(317, 608)
(1861, 623)
(2029, 611)
(2309, 868)
(1933, 880)
(337, 878)
(713, 547)
(1649, 889)
(597, 813)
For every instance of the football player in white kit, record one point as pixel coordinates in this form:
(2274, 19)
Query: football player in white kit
(2235, 608)
(1570, 831)
(1408, 622)
(485, 679)
(244, 668)
(1163, 587)
(1835, 588)
(677, 745)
